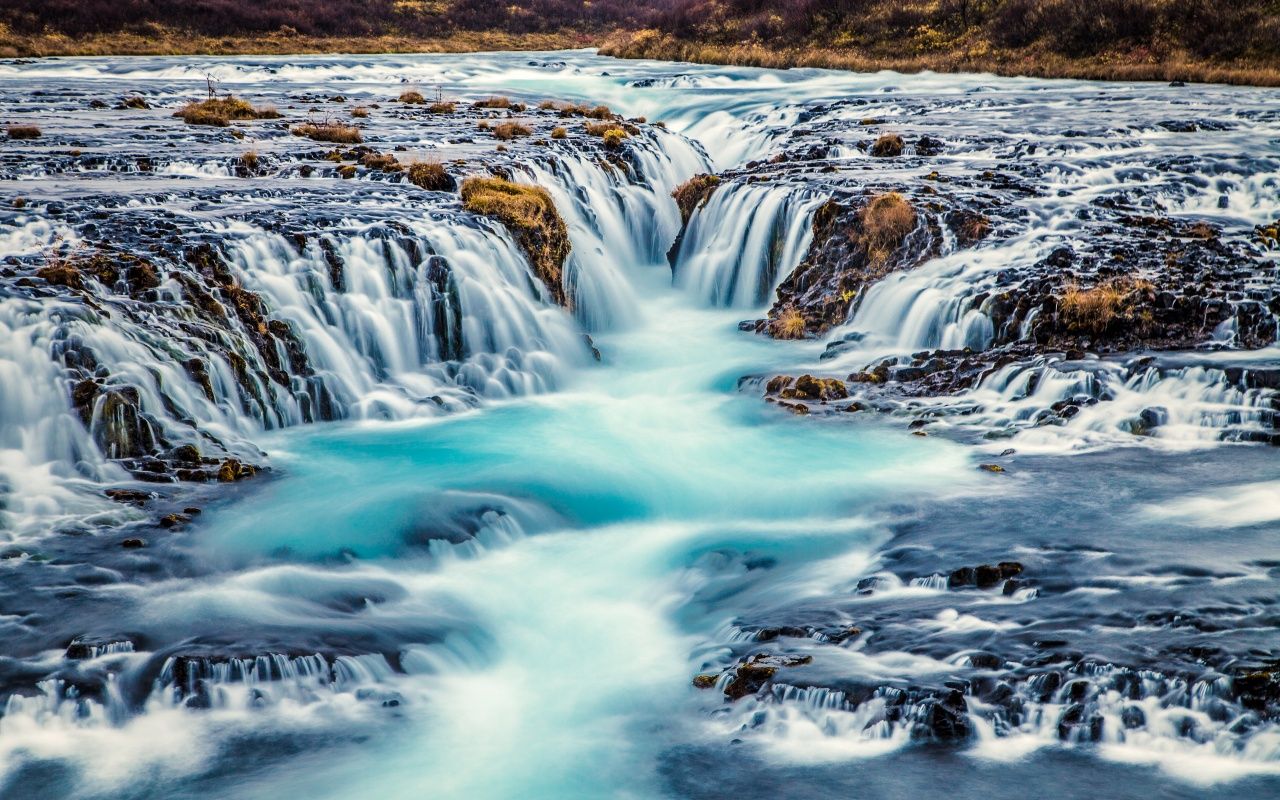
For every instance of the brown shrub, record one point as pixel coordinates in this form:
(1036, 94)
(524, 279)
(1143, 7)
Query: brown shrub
(693, 193)
(886, 221)
(510, 130)
(347, 171)
(412, 98)
(613, 138)
(134, 102)
(559, 133)
(442, 108)
(496, 102)
(328, 132)
(250, 161)
(531, 216)
(600, 112)
(24, 132)
(360, 112)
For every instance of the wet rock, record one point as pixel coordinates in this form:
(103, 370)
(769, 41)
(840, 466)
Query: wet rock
(942, 719)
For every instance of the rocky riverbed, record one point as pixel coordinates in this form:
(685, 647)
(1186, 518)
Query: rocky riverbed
(506, 424)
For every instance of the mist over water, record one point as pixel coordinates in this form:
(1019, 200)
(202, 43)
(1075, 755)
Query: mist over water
(498, 573)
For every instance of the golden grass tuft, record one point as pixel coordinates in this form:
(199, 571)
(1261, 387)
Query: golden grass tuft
(23, 132)
(531, 216)
(219, 111)
(510, 130)
(886, 221)
(412, 98)
(250, 161)
(498, 102)
(442, 107)
(360, 112)
(614, 138)
(694, 193)
(1092, 311)
(334, 132)
(789, 324)
(559, 133)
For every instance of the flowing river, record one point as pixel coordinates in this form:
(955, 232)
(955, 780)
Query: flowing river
(487, 564)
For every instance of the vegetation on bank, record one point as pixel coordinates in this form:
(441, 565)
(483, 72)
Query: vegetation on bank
(535, 223)
(1212, 40)
(220, 111)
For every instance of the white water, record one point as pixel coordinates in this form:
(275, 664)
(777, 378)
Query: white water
(616, 515)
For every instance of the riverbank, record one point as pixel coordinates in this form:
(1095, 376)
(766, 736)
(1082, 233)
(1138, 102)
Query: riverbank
(169, 42)
(1028, 62)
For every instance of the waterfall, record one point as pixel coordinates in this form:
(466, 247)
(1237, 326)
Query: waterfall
(744, 241)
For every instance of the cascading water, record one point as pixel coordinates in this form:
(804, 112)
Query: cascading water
(505, 570)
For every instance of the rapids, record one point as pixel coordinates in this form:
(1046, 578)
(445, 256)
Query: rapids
(485, 565)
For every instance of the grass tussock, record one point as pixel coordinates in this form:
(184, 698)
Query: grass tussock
(220, 111)
(499, 103)
(886, 221)
(1092, 311)
(384, 162)
(614, 137)
(430, 175)
(250, 161)
(789, 324)
(559, 133)
(23, 132)
(360, 112)
(412, 98)
(531, 216)
(135, 102)
(694, 193)
(442, 108)
(511, 130)
(335, 132)
(890, 145)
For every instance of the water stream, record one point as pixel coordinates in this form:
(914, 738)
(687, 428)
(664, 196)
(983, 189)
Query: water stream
(495, 568)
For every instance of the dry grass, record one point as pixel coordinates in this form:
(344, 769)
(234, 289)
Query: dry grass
(889, 145)
(979, 57)
(789, 324)
(531, 216)
(1092, 311)
(693, 193)
(559, 133)
(385, 162)
(360, 112)
(886, 221)
(134, 102)
(250, 161)
(430, 175)
(510, 130)
(412, 98)
(162, 41)
(614, 138)
(499, 103)
(23, 132)
(442, 108)
(219, 111)
(602, 129)
(334, 132)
